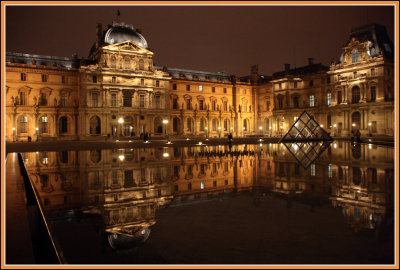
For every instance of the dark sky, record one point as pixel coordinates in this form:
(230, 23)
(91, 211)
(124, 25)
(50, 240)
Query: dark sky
(207, 38)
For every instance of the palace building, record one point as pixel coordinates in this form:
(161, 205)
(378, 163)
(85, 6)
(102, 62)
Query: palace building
(118, 92)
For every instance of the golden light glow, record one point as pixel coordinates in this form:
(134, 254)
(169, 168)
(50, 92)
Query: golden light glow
(121, 157)
(121, 120)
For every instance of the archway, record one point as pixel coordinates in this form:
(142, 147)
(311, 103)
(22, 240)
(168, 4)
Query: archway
(128, 126)
(43, 124)
(95, 125)
(176, 122)
(158, 125)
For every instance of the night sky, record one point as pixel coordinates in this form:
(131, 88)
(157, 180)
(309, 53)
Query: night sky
(206, 38)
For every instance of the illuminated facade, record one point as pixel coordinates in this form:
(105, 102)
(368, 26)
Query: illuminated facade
(118, 92)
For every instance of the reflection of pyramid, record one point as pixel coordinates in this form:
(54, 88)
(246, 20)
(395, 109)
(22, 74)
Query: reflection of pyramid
(307, 152)
(306, 129)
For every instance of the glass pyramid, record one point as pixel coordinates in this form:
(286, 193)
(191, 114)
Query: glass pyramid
(307, 152)
(305, 128)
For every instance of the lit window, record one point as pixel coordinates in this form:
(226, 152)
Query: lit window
(157, 83)
(141, 100)
(23, 77)
(330, 171)
(44, 127)
(202, 185)
(312, 101)
(312, 169)
(200, 88)
(329, 99)
(355, 56)
(113, 100)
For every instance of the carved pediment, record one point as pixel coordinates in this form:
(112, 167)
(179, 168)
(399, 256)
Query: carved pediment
(127, 46)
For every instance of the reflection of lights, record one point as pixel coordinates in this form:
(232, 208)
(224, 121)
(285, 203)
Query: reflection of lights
(129, 141)
(187, 139)
(121, 157)
(370, 146)
(121, 120)
(334, 145)
(369, 124)
(14, 128)
(260, 144)
(260, 127)
(165, 121)
(334, 125)
(169, 142)
(200, 143)
(146, 142)
(206, 139)
(117, 140)
(353, 124)
(322, 125)
(165, 155)
(260, 140)
(295, 146)
(369, 140)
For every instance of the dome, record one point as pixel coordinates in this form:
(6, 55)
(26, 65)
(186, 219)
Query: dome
(121, 32)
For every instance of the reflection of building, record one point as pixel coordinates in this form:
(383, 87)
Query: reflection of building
(117, 91)
(125, 187)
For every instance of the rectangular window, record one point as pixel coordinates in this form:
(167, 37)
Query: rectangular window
(113, 80)
(175, 104)
(312, 101)
(225, 106)
(45, 125)
(44, 78)
(114, 100)
(95, 99)
(329, 99)
(372, 72)
(23, 77)
(157, 83)
(23, 124)
(189, 104)
(214, 105)
(339, 97)
(296, 102)
(330, 171)
(63, 80)
(189, 186)
(94, 78)
(202, 185)
(213, 89)
(127, 97)
(158, 102)
(312, 169)
(244, 91)
(63, 100)
(187, 87)
(64, 156)
(200, 88)
(280, 85)
(174, 86)
(328, 80)
(355, 74)
(43, 99)
(295, 84)
(201, 104)
(224, 90)
(141, 81)
(311, 83)
(373, 93)
(22, 98)
(141, 101)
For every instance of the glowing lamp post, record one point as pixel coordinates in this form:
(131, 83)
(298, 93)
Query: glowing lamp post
(13, 134)
(37, 134)
(165, 122)
(120, 122)
(219, 131)
(206, 133)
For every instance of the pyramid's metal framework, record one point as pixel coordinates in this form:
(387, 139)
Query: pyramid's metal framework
(307, 152)
(305, 128)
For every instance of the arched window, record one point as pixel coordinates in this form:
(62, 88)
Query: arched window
(141, 64)
(355, 56)
(95, 125)
(95, 156)
(355, 94)
(128, 126)
(202, 124)
(63, 124)
(175, 124)
(158, 126)
(189, 124)
(214, 124)
(245, 125)
(226, 124)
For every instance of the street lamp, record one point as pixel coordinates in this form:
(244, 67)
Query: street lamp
(37, 134)
(165, 122)
(369, 128)
(206, 133)
(219, 130)
(13, 134)
(120, 121)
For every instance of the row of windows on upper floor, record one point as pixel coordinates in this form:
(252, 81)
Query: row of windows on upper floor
(21, 99)
(45, 78)
(202, 106)
(201, 88)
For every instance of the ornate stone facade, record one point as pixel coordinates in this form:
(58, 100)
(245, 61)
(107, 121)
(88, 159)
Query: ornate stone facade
(118, 92)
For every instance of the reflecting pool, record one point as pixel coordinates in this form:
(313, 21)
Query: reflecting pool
(243, 204)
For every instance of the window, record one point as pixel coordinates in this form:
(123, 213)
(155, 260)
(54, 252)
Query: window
(44, 125)
(213, 89)
(355, 94)
(214, 124)
(141, 101)
(244, 91)
(141, 64)
(373, 93)
(280, 102)
(127, 63)
(189, 104)
(141, 81)
(224, 90)
(244, 125)
(63, 100)
(43, 99)
(311, 83)
(329, 99)
(296, 102)
(225, 106)
(64, 156)
(372, 72)
(355, 74)
(158, 102)
(280, 85)
(295, 84)
(202, 124)
(44, 78)
(202, 185)
(214, 105)
(201, 104)
(328, 80)
(23, 77)
(113, 80)
(23, 124)
(22, 98)
(95, 99)
(329, 121)
(63, 79)
(355, 56)
(268, 105)
(244, 106)
(188, 87)
(175, 103)
(127, 98)
(339, 97)
(189, 124)
(157, 83)
(311, 100)
(330, 171)
(63, 124)
(189, 186)
(226, 123)
(174, 86)
(113, 100)
(312, 169)
(94, 79)
(200, 88)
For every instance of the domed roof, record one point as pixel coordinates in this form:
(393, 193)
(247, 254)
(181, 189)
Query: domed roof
(120, 32)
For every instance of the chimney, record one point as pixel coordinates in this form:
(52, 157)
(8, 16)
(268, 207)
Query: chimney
(254, 74)
(98, 35)
(287, 67)
(310, 61)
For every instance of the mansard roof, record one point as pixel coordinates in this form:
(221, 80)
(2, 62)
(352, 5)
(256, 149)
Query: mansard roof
(300, 71)
(200, 75)
(43, 60)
